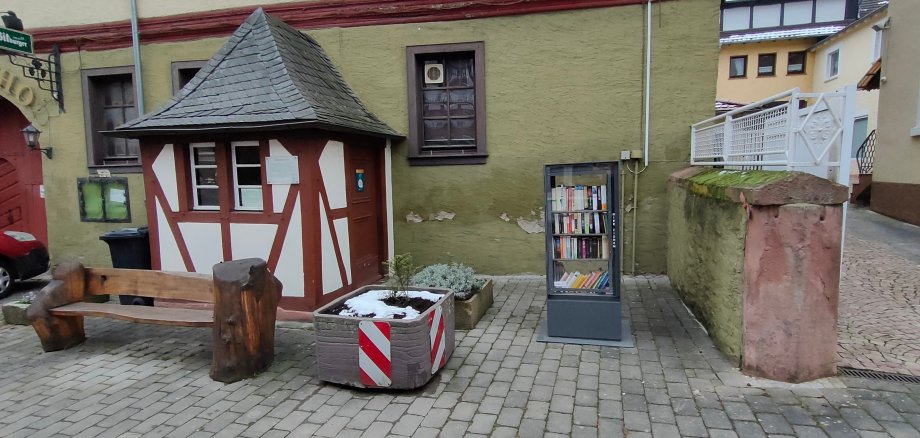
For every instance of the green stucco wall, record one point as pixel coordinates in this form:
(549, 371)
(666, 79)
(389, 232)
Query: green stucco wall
(706, 238)
(560, 87)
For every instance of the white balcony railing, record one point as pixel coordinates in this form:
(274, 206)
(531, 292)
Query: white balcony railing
(789, 131)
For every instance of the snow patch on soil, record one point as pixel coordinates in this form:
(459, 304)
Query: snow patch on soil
(371, 303)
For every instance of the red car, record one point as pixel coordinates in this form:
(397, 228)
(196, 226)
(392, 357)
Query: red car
(22, 257)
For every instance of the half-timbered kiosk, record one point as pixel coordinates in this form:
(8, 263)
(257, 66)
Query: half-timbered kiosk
(268, 153)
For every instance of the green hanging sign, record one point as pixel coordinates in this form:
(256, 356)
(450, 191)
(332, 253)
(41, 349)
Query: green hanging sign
(16, 41)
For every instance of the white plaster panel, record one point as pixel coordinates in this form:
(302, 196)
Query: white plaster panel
(797, 13)
(332, 279)
(332, 167)
(387, 167)
(341, 234)
(204, 244)
(170, 257)
(279, 191)
(830, 10)
(736, 18)
(290, 264)
(164, 169)
(251, 240)
(767, 15)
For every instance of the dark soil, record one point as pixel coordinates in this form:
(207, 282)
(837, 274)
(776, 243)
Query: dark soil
(419, 304)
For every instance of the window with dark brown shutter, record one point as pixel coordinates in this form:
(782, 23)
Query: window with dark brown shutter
(109, 102)
(446, 104)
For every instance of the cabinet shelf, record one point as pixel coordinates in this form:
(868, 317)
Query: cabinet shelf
(577, 211)
(582, 259)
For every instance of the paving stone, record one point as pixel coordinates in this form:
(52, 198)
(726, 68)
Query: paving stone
(637, 421)
(559, 423)
(660, 430)
(691, 426)
(774, 424)
(534, 428)
(482, 424)
(500, 382)
(860, 419)
(510, 417)
(748, 429)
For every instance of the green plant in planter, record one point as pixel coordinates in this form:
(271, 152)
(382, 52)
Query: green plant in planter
(400, 270)
(456, 276)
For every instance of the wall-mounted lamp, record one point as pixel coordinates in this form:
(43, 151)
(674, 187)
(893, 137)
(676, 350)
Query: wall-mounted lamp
(884, 26)
(31, 135)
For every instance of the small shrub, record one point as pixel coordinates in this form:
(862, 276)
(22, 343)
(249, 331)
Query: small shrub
(400, 270)
(455, 276)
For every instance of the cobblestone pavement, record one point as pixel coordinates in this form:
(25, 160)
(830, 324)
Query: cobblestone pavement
(132, 380)
(879, 313)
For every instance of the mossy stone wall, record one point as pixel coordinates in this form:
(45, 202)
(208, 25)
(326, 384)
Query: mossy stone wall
(706, 262)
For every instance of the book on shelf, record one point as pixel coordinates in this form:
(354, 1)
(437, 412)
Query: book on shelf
(579, 197)
(574, 247)
(577, 280)
(580, 223)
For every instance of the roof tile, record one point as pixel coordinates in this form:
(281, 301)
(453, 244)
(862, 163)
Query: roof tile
(266, 72)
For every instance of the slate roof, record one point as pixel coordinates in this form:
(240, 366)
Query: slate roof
(267, 76)
(785, 34)
(867, 7)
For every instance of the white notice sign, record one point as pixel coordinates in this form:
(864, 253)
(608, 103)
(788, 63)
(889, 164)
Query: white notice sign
(282, 170)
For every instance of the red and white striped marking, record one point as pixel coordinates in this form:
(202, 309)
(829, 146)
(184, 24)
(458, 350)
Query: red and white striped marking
(438, 339)
(374, 353)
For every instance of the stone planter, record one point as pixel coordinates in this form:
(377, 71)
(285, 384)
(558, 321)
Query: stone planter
(15, 313)
(342, 359)
(469, 311)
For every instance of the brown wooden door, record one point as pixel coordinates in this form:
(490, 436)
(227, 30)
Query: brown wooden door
(21, 205)
(364, 214)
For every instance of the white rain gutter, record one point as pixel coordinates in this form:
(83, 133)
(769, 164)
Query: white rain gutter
(648, 74)
(138, 78)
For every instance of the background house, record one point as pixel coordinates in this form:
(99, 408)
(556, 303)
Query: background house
(764, 45)
(895, 180)
(843, 58)
(559, 82)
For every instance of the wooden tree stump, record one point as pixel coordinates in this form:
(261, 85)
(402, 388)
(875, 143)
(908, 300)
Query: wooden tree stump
(246, 298)
(58, 332)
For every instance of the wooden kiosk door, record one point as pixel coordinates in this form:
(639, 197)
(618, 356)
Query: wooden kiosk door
(364, 214)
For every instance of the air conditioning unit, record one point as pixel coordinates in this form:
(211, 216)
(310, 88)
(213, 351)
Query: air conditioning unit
(434, 73)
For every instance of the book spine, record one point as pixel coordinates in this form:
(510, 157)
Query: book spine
(603, 197)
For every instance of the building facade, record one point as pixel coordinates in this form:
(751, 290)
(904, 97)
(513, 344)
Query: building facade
(553, 82)
(765, 44)
(843, 58)
(895, 181)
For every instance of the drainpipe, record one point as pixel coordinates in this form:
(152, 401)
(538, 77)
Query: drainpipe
(647, 117)
(138, 79)
(648, 72)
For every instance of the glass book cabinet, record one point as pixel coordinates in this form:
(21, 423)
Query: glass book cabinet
(583, 251)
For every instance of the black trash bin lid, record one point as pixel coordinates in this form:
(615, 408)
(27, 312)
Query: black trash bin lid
(125, 233)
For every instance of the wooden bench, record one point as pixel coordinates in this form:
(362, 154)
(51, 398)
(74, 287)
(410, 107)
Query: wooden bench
(244, 293)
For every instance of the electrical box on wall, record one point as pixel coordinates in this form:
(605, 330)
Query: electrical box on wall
(625, 155)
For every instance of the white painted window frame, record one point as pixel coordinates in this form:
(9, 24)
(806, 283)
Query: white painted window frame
(915, 131)
(877, 45)
(237, 199)
(827, 64)
(196, 205)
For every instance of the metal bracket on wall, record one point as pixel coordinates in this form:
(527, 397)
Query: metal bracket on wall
(45, 71)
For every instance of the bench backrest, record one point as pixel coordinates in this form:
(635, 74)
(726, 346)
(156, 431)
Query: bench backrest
(158, 284)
